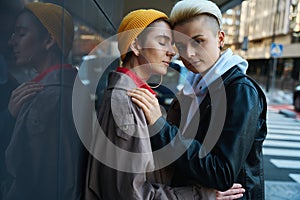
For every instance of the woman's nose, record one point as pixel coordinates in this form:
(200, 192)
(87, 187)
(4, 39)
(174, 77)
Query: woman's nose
(171, 51)
(190, 52)
(11, 40)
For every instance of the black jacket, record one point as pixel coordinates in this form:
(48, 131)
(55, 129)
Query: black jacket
(228, 133)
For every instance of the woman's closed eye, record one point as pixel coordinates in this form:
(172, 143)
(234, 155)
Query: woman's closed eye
(162, 43)
(19, 32)
(164, 40)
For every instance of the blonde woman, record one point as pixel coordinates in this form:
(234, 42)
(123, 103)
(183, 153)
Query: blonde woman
(224, 114)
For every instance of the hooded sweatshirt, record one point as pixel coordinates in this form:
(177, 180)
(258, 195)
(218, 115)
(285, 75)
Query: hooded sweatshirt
(197, 86)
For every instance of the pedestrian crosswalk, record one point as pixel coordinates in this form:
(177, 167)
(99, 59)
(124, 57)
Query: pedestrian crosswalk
(281, 151)
(282, 145)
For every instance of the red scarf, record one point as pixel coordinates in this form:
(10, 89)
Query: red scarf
(137, 80)
(39, 77)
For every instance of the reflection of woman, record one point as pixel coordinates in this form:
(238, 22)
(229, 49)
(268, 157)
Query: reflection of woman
(45, 157)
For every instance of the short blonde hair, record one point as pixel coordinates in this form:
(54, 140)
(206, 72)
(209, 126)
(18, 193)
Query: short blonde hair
(187, 9)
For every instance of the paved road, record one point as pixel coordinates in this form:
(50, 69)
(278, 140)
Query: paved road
(282, 157)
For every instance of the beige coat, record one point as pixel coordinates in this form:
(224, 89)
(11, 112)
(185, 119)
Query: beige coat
(124, 124)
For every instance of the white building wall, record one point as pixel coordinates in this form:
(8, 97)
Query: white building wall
(258, 18)
(257, 22)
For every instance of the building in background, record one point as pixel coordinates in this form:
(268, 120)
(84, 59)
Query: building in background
(254, 25)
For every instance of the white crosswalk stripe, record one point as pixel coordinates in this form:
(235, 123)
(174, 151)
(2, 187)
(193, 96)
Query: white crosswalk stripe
(281, 152)
(283, 126)
(292, 132)
(296, 177)
(278, 143)
(287, 164)
(282, 137)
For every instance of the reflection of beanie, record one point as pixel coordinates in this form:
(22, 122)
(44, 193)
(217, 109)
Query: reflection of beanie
(134, 23)
(51, 16)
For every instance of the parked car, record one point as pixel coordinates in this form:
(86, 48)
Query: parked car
(296, 98)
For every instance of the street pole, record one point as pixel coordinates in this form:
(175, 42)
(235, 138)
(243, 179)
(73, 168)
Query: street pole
(274, 73)
(274, 66)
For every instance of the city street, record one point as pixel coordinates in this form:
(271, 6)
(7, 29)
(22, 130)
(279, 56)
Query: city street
(282, 153)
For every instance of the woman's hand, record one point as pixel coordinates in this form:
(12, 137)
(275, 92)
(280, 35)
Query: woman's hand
(147, 102)
(235, 192)
(22, 94)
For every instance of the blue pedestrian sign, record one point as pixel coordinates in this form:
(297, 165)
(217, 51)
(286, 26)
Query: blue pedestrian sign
(276, 50)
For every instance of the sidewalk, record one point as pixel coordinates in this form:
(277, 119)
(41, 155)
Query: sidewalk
(281, 101)
(275, 97)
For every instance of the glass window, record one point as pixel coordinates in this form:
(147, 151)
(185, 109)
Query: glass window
(47, 44)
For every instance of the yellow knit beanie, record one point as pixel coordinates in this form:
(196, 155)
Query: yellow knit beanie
(51, 16)
(133, 24)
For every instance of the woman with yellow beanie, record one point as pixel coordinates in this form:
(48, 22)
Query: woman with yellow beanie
(45, 157)
(122, 164)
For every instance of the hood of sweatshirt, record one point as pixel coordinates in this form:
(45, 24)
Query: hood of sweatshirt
(197, 85)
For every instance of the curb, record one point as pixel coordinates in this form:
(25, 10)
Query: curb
(288, 113)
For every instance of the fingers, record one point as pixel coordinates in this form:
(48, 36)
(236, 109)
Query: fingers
(141, 93)
(143, 90)
(26, 90)
(27, 86)
(22, 94)
(236, 186)
(143, 96)
(235, 192)
(147, 102)
(144, 107)
(230, 197)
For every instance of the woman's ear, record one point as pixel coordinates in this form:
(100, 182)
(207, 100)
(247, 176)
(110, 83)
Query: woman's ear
(221, 39)
(50, 42)
(135, 47)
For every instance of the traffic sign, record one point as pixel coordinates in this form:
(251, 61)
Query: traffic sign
(276, 50)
